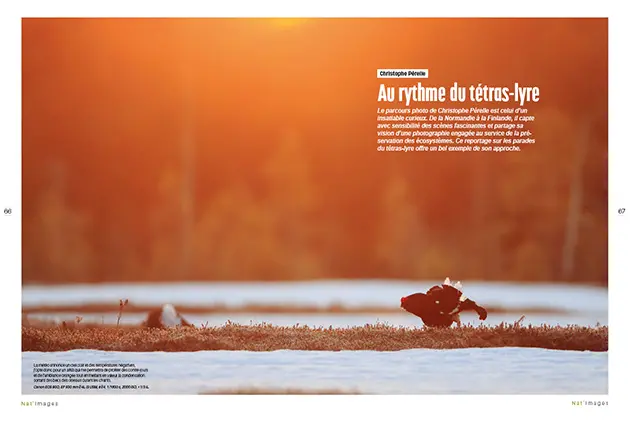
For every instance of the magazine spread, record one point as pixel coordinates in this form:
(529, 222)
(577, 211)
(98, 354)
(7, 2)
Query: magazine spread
(314, 205)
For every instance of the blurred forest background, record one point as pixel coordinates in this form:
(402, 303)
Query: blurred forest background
(244, 149)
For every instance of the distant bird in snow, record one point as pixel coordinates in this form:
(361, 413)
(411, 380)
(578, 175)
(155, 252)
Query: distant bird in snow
(165, 317)
(441, 305)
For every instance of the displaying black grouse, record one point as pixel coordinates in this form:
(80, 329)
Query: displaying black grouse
(441, 305)
(165, 317)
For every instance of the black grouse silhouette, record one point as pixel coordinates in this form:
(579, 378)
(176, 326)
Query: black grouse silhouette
(441, 305)
(165, 317)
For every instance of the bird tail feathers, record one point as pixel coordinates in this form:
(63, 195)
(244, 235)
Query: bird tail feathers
(457, 285)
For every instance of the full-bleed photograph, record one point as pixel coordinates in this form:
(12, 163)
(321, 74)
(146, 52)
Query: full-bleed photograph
(205, 209)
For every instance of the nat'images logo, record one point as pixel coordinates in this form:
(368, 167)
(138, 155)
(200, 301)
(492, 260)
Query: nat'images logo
(589, 403)
(39, 403)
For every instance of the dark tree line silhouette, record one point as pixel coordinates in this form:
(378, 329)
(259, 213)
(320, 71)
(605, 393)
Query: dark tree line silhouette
(227, 150)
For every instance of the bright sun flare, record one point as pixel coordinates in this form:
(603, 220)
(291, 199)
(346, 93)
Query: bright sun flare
(287, 22)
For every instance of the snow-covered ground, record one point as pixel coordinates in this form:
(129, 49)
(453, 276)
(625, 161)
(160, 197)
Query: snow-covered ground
(419, 371)
(583, 299)
(472, 371)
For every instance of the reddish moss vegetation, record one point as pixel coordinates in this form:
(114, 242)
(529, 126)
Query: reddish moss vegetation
(267, 337)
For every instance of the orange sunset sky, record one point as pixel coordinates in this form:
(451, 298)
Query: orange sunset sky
(245, 149)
